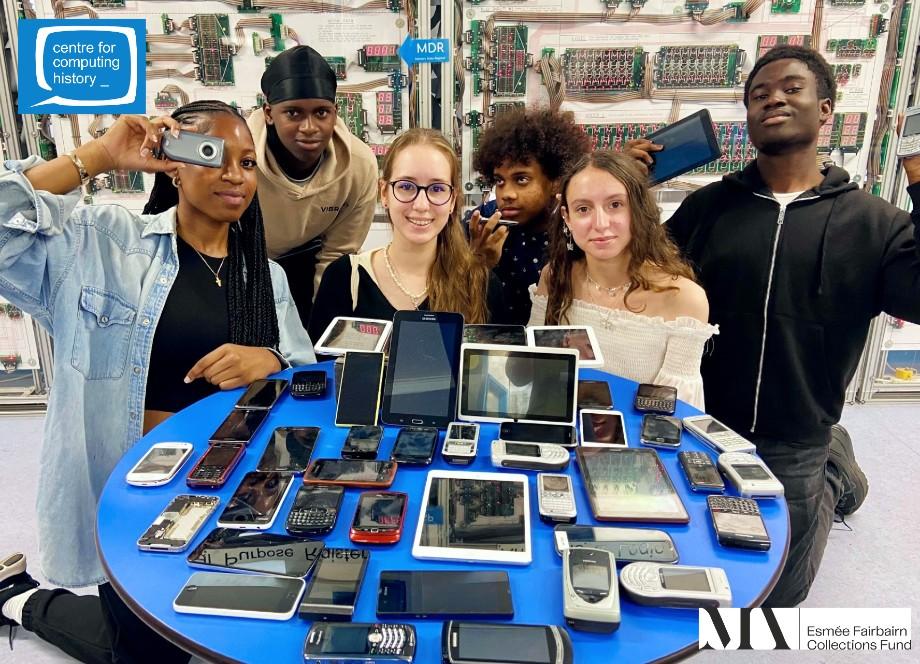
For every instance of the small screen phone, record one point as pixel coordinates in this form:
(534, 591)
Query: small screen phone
(308, 384)
(656, 398)
(239, 427)
(362, 442)
(351, 471)
(333, 589)
(594, 394)
(738, 523)
(315, 509)
(289, 449)
(415, 445)
(688, 143)
(660, 431)
(262, 393)
(256, 501)
(379, 517)
(330, 642)
(359, 389)
(603, 428)
(216, 464)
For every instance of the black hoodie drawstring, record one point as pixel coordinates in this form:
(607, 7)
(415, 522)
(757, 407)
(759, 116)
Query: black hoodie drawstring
(823, 255)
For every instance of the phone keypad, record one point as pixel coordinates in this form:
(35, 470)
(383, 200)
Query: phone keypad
(387, 639)
(207, 473)
(644, 576)
(557, 501)
(311, 517)
(307, 388)
(658, 405)
(697, 458)
(733, 505)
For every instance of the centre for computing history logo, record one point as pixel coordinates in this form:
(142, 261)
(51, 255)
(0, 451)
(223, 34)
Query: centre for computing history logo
(860, 630)
(82, 66)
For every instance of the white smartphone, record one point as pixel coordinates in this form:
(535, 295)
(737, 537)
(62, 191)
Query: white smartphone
(160, 464)
(602, 428)
(243, 595)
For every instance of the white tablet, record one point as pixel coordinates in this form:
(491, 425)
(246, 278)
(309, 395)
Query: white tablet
(579, 337)
(520, 383)
(475, 517)
(358, 334)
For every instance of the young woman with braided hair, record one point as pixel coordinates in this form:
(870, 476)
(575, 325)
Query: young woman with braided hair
(149, 313)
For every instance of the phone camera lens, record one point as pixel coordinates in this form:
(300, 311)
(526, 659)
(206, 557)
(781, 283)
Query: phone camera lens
(207, 150)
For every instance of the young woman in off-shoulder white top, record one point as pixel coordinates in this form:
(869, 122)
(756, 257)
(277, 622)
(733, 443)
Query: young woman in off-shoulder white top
(612, 266)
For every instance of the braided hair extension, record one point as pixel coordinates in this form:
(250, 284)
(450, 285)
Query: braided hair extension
(250, 298)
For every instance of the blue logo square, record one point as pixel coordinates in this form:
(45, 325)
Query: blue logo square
(82, 66)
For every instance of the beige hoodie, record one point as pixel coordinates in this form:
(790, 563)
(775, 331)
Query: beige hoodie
(337, 204)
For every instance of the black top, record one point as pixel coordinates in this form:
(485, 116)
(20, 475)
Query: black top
(196, 304)
(334, 298)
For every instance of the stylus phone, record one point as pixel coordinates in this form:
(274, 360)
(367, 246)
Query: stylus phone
(359, 390)
(256, 501)
(178, 523)
(315, 510)
(351, 472)
(555, 498)
(289, 449)
(159, 465)
(308, 384)
(329, 642)
(443, 593)
(602, 428)
(502, 643)
(688, 143)
(362, 442)
(334, 586)
(700, 472)
(243, 595)
(239, 426)
(524, 432)
(415, 446)
(216, 465)
(460, 443)
(660, 431)
(715, 434)
(750, 475)
(738, 523)
(655, 399)
(262, 394)
(379, 517)
(233, 550)
(676, 586)
(594, 394)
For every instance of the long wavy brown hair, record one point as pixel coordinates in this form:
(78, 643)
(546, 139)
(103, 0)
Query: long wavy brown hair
(456, 280)
(649, 246)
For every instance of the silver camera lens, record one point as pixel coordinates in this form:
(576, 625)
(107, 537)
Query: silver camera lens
(207, 150)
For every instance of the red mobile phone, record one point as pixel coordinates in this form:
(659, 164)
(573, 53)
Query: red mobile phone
(215, 465)
(379, 517)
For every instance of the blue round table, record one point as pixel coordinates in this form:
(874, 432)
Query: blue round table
(149, 581)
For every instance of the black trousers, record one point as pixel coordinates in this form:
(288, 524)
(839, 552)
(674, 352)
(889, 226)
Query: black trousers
(96, 629)
(300, 267)
(811, 493)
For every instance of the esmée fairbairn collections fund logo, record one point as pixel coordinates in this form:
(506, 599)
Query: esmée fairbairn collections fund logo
(854, 630)
(82, 66)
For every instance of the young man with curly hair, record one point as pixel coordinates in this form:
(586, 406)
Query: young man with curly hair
(522, 155)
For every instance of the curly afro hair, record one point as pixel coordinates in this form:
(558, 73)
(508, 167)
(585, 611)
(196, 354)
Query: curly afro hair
(546, 137)
(817, 65)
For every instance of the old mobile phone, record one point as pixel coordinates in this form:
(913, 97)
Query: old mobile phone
(216, 465)
(315, 510)
(192, 147)
(701, 472)
(239, 426)
(359, 642)
(262, 394)
(529, 456)
(308, 384)
(159, 465)
(362, 442)
(676, 586)
(602, 428)
(359, 390)
(256, 501)
(428, 594)
(628, 545)
(351, 472)
(178, 523)
(750, 475)
(501, 643)
(590, 593)
(289, 449)
(235, 550)
(334, 586)
(379, 517)
(526, 432)
(715, 434)
(594, 394)
(262, 596)
(460, 443)
(655, 398)
(660, 431)
(555, 498)
(909, 143)
(738, 522)
(415, 445)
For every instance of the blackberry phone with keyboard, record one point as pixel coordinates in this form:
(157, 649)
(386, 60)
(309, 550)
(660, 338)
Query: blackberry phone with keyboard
(701, 472)
(315, 510)
(738, 522)
(308, 384)
(656, 399)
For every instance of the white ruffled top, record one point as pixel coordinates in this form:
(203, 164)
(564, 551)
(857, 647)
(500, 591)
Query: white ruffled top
(646, 349)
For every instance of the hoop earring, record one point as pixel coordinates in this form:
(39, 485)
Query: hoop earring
(175, 181)
(569, 245)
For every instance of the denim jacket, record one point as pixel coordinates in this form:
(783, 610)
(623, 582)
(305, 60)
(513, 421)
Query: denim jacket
(97, 278)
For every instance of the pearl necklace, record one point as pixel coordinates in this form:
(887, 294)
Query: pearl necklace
(415, 299)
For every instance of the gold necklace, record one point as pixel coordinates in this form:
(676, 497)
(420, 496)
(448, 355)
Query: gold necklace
(415, 299)
(208, 265)
(611, 292)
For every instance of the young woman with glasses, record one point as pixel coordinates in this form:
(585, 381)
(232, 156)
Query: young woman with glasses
(428, 263)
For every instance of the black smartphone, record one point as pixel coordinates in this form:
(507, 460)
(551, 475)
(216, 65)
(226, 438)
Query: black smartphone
(351, 472)
(656, 399)
(308, 384)
(315, 510)
(660, 431)
(738, 522)
(475, 642)
(348, 643)
(362, 442)
(239, 427)
(524, 432)
(415, 445)
(289, 449)
(262, 394)
(262, 596)
(688, 143)
(359, 389)
(594, 394)
(255, 502)
(701, 472)
(333, 590)
(444, 593)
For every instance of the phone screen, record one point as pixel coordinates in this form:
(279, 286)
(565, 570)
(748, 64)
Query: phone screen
(240, 592)
(683, 579)
(240, 426)
(415, 444)
(359, 393)
(381, 511)
(750, 471)
(555, 483)
(566, 337)
(220, 455)
(363, 439)
(256, 498)
(289, 449)
(657, 391)
(687, 144)
(350, 470)
(594, 394)
(262, 393)
(606, 428)
(750, 525)
(661, 429)
(337, 577)
(160, 460)
(510, 643)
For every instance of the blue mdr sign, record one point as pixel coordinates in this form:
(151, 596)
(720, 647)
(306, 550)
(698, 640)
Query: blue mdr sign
(420, 51)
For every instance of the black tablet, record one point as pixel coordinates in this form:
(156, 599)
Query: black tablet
(688, 143)
(421, 379)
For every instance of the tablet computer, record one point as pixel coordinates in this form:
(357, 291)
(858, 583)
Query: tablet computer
(345, 333)
(509, 335)
(421, 379)
(688, 143)
(474, 517)
(520, 383)
(579, 337)
(629, 484)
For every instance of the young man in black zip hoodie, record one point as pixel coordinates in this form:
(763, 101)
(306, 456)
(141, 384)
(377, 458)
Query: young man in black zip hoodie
(796, 261)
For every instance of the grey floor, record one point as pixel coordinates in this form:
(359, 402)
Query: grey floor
(875, 565)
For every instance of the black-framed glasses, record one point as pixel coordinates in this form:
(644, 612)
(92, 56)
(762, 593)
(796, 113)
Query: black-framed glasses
(406, 191)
